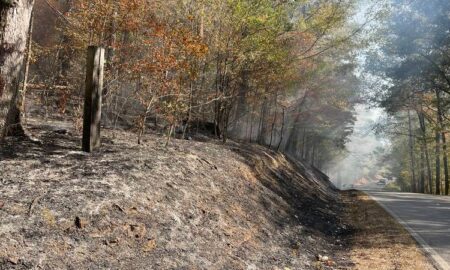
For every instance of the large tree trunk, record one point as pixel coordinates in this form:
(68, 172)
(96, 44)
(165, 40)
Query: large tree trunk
(15, 22)
(22, 100)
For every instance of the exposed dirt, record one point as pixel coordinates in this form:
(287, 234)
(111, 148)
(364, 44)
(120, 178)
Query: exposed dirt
(193, 205)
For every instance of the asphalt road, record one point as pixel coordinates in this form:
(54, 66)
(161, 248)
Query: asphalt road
(427, 218)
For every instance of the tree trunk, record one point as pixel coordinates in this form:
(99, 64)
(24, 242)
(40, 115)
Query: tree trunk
(242, 105)
(273, 122)
(438, 163)
(251, 124)
(144, 120)
(262, 122)
(225, 122)
(422, 169)
(425, 150)
(430, 176)
(303, 152)
(282, 128)
(291, 141)
(313, 156)
(445, 160)
(111, 70)
(189, 116)
(444, 140)
(27, 67)
(411, 154)
(14, 22)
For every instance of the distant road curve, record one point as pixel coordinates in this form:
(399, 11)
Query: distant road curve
(426, 217)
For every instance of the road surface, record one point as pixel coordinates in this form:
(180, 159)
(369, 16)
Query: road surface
(427, 217)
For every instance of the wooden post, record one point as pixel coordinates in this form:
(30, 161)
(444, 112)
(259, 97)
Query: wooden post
(93, 98)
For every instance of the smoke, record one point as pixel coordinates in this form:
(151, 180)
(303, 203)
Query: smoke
(364, 150)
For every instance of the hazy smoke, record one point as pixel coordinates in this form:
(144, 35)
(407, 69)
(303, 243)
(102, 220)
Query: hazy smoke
(361, 160)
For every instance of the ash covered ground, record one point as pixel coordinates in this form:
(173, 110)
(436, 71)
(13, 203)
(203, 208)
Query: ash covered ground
(192, 205)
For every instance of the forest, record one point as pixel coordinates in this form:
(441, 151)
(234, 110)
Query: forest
(284, 74)
(279, 73)
(409, 72)
(276, 73)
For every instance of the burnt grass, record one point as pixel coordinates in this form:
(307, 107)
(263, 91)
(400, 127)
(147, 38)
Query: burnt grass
(192, 205)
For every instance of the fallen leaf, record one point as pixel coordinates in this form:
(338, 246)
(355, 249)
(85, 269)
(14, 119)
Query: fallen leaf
(150, 245)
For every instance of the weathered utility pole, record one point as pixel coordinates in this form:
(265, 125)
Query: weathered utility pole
(93, 98)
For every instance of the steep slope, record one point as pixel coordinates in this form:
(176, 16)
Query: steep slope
(193, 205)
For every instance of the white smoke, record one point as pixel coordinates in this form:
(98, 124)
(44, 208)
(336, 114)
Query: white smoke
(361, 162)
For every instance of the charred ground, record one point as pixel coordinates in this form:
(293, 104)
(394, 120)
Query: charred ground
(196, 204)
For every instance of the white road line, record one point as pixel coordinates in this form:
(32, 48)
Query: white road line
(437, 260)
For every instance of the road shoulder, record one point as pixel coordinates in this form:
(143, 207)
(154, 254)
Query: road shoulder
(436, 259)
(379, 241)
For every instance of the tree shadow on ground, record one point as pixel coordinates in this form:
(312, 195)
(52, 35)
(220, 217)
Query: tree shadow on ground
(310, 197)
(50, 141)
